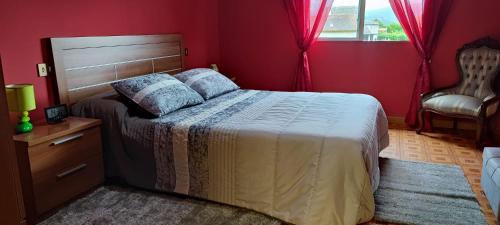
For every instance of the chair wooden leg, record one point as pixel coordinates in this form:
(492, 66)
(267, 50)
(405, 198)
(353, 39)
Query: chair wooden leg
(420, 120)
(455, 126)
(431, 121)
(479, 132)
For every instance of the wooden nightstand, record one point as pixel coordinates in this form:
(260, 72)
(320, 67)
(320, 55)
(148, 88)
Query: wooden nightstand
(59, 162)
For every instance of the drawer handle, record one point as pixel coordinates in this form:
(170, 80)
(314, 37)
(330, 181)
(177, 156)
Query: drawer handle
(71, 171)
(67, 139)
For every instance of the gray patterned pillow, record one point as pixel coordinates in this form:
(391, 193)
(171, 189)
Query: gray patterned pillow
(159, 94)
(208, 83)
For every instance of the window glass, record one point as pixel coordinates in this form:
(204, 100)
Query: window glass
(342, 20)
(380, 22)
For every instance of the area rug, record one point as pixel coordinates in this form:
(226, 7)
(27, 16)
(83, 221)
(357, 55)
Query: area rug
(112, 205)
(425, 194)
(409, 193)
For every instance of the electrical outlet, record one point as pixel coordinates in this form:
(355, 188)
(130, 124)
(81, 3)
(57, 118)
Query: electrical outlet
(214, 67)
(42, 70)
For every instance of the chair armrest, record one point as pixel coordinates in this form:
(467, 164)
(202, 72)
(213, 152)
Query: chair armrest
(487, 103)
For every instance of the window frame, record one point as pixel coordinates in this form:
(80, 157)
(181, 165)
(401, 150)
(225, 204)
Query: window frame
(361, 28)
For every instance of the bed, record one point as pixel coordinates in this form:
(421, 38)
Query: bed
(305, 158)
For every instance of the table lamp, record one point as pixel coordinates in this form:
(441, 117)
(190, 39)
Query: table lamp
(21, 99)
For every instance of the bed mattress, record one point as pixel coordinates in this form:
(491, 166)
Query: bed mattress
(305, 158)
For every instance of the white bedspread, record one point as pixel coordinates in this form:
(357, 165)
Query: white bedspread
(305, 158)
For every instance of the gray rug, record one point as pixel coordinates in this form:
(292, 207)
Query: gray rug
(409, 193)
(423, 193)
(110, 205)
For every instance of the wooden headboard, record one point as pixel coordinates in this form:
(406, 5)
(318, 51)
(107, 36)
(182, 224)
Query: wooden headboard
(85, 66)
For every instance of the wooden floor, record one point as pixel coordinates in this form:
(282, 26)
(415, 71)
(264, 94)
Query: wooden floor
(439, 148)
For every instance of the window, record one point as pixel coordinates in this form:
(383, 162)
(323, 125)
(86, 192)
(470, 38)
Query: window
(368, 20)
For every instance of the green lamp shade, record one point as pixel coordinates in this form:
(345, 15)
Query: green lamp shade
(20, 97)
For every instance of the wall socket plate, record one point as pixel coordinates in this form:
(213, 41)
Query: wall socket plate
(42, 70)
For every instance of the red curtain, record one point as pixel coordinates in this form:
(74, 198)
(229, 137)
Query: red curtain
(422, 21)
(307, 18)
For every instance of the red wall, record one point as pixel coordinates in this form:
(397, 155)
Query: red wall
(257, 46)
(251, 39)
(25, 23)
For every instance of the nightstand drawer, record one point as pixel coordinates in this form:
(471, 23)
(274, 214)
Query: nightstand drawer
(64, 167)
(67, 183)
(54, 155)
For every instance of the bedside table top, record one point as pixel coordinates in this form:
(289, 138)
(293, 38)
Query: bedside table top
(45, 132)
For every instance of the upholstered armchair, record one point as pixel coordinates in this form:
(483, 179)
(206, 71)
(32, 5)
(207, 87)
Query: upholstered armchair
(475, 96)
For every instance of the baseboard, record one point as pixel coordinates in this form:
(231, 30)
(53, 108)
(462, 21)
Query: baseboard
(397, 121)
(436, 122)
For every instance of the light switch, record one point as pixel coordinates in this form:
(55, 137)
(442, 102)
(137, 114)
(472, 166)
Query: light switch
(42, 70)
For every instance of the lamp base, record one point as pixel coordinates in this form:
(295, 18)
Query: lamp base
(24, 125)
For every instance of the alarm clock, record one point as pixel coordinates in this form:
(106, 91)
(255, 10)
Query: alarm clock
(56, 114)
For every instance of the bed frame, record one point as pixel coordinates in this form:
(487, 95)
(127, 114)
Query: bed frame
(85, 66)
